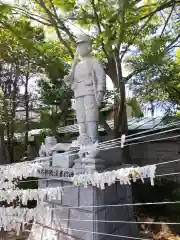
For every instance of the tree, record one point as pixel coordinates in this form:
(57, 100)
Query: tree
(159, 81)
(119, 26)
(24, 45)
(55, 96)
(17, 67)
(10, 72)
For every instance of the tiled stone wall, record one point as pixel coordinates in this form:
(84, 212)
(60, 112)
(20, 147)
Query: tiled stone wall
(150, 153)
(158, 152)
(92, 197)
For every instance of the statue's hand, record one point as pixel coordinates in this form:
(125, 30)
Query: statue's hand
(76, 57)
(67, 79)
(100, 96)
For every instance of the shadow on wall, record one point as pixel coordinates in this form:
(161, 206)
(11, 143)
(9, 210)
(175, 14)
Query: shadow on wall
(163, 191)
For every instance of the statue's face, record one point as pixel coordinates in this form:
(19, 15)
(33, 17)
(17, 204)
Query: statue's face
(50, 141)
(84, 48)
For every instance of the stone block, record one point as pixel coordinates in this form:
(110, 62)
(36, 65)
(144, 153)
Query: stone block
(121, 232)
(100, 224)
(124, 230)
(134, 230)
(70, 196)
(128, 191)
(130, 212)
(63, 236)
(89, 164)
(54, 183)
(99, 197)
(91, 196)
(62, 160)
(67, 183)
(43, 184)
(111, 216)
(121, 191)
(86, 198)
(50, 184)
(61, 217)
(80, 229)
(111, 157)
(110, 194)
(117, 214)
(121, 213)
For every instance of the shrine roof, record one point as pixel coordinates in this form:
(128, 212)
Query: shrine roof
(134, 124)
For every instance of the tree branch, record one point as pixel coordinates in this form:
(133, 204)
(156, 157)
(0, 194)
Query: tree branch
(167, 20)
(74, 18)
(122, 23)
(53, 21)
(161, 7)
(145, 6)
(136, 34)
(11, 29)
(47, 22)
(33, 16)
(99, 25)
(173, 42)
(134, 73)
(64, 28)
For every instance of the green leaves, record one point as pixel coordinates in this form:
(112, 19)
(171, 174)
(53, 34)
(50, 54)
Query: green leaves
(178, 56)
(136, 110)
(65, 5)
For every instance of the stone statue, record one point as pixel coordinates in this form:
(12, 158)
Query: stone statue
(87, 79)
(47, 147)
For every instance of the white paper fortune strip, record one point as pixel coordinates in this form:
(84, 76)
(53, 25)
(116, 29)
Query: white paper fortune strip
(15, 218)
(19, 170)
(123, 175)
(31, 194)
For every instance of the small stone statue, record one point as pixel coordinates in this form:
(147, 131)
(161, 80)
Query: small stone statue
(87, 79)
(47, 147)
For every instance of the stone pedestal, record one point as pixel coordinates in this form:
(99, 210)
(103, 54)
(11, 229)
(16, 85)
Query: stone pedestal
(92, 197)
(89, 164)
(63, 160)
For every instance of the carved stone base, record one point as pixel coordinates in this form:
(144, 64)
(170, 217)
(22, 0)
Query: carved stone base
(89, 164)
(102, 219)
(63, 160)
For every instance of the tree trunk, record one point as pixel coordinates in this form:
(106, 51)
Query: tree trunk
(120, 114)
(3, 159)
(26, 97)
(13, 113)
(6, 119)
(104, 124)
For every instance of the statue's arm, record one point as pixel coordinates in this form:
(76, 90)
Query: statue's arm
(100, 76)
(100, 81)
(68, 79)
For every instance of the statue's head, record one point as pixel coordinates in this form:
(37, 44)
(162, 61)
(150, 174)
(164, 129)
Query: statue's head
(84, 45)
(50, 140)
